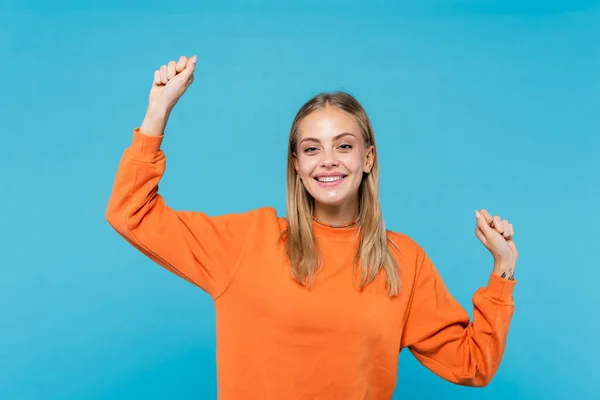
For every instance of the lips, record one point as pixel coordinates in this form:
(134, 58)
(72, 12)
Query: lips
(330, 180)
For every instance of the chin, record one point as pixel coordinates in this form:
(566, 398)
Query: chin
(329, 199)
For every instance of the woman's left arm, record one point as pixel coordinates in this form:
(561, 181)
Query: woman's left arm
(438, 330)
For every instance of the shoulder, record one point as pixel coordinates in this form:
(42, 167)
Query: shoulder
(407, 250)
(252, 213)
(267, 219)
(403, 242)
(260, 218)
(269, 215)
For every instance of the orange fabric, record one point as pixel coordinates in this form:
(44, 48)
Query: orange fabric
(279, 340)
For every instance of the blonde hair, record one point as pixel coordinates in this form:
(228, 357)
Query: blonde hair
(372, 254)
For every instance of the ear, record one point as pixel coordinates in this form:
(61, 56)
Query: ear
(369, 159)
(296, 165)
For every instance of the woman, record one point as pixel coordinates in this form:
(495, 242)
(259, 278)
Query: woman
(319, 304)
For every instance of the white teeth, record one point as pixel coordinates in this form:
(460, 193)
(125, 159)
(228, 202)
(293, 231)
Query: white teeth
(329, 178)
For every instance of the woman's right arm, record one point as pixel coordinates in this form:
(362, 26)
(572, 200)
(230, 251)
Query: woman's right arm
(201, 249)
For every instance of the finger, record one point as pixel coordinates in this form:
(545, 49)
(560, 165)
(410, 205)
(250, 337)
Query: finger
(163, 74)
(482, 223)
(506, 229)
(171, 70)
(181, 64)
(512, 230)
(157, 78)
(190, 65)
(497, 224)
(487, 215)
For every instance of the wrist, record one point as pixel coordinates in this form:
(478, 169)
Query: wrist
(155, 121)
(504, 269)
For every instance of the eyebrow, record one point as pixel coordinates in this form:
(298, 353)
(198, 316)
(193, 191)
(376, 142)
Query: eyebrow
(336, 137)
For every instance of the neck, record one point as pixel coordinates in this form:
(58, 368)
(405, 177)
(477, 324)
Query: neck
(335, 215)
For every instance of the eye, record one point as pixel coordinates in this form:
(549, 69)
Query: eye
(310, 149)
(346, 146)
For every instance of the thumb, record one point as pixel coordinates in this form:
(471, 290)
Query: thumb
(482, 223)
(190, 66)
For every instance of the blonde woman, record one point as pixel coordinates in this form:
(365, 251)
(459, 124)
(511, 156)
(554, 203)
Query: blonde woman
(319, 304)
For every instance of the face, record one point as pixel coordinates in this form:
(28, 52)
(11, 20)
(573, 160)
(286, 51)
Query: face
(331, 157)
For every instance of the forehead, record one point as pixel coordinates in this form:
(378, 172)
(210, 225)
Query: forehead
(326, 123)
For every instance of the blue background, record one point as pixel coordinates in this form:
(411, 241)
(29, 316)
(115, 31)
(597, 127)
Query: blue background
(474, 104)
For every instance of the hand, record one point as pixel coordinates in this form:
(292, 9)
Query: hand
(170, 83)
(497, 236)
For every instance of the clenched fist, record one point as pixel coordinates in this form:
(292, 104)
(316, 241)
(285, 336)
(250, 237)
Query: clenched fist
(496, 235)
(170, 82)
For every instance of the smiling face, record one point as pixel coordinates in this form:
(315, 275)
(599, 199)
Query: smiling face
(331, 158)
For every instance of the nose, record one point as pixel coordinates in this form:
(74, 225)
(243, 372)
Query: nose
(329, 159)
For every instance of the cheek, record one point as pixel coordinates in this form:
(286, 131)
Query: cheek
(354, 163)
(306, 166)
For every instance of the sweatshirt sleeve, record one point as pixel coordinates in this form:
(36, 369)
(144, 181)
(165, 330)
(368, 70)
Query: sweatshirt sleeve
(440, 335)
(200, 249)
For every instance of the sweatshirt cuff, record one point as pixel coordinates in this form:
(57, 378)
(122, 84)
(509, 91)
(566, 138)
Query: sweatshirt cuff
(500, 288)
(145, 146)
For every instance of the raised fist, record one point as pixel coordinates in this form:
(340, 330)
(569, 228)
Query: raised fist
(170, 83)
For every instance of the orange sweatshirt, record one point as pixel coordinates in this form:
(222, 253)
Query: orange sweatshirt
(279, 340)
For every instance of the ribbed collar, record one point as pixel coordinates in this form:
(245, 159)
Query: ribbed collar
(339, 234)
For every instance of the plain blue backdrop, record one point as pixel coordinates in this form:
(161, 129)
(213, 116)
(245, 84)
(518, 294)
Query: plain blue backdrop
(475, 104)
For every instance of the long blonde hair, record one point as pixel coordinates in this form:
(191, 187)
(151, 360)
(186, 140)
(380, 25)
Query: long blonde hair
(372, 254)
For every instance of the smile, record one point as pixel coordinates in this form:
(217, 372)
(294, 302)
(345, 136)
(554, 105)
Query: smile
(329, 181)
(329, 178)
